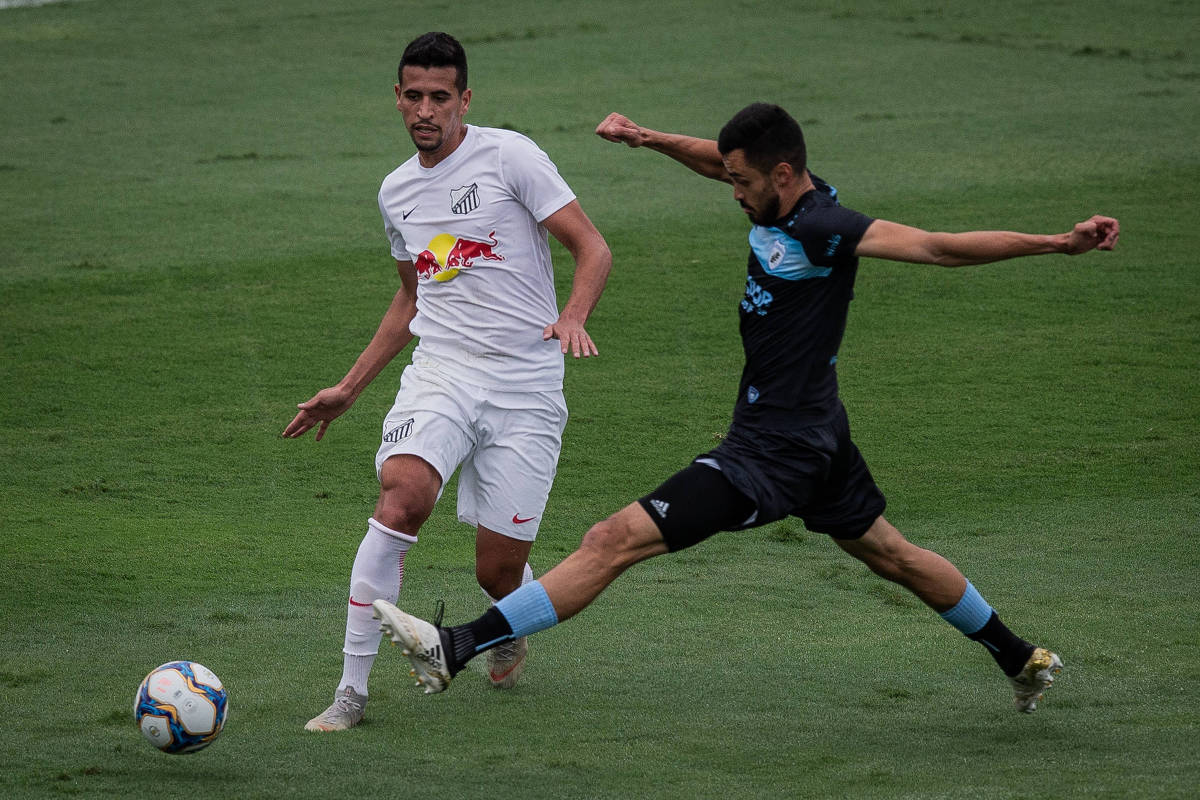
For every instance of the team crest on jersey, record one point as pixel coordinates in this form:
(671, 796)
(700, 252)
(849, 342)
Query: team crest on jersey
(775, 258)
(464, 199)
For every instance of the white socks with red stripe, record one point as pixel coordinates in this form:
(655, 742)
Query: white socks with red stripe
(377, 573)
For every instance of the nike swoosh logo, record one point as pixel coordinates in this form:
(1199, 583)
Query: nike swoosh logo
(404, 214)
(520, 521)
(354, 602)
(499, 676)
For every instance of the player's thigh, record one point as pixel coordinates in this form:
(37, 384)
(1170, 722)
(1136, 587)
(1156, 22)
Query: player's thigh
(431, 419)
(695, 503)
(505, 483)
(849, 502)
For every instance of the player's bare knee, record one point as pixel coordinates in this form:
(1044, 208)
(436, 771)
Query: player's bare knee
(880, 558)
(399, 513)
(408, 490)
(497, 579)
(894, 562)
(608, 542)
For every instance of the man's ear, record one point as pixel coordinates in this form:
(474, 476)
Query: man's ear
(782, 174)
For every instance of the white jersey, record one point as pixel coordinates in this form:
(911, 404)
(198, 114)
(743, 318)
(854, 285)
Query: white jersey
(485, 284)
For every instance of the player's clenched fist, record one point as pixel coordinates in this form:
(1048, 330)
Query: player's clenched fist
(619, 128)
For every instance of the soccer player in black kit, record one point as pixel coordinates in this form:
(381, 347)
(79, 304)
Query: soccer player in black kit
(788, 451)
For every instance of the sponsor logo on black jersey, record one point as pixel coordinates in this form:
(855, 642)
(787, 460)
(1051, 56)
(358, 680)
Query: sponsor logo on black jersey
(757, 299)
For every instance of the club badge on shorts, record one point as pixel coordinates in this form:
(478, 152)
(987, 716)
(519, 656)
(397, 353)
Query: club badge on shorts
(399, 432)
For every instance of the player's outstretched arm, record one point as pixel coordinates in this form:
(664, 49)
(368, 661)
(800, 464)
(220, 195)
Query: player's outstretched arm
(391, 337)
(897, 242)
(593, 260)
(699, 155)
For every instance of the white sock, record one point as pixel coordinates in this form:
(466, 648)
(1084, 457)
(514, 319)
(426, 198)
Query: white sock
(377, 573)
(526, 577)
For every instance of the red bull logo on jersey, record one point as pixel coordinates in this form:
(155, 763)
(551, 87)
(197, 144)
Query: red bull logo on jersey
(446, 255)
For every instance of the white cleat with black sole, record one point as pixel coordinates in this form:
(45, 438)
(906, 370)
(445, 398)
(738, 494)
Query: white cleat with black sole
(421, 642)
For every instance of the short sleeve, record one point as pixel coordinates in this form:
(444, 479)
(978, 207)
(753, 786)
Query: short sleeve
(399, 251)
(832, 233)
(532, 177)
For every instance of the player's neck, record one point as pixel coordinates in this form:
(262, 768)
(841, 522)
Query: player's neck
(432, 158)
(790, 196)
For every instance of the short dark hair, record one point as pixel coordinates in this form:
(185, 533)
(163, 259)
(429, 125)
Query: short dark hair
(768, 135)
(435, 49)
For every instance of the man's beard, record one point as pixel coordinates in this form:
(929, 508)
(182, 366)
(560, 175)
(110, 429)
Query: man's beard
(768, 213)
(427, 146)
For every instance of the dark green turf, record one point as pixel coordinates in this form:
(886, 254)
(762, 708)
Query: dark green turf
(189, 245)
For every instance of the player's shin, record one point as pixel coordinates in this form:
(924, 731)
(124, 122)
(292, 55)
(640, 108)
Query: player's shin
(979, 622)
(525, 611)
(377, 573)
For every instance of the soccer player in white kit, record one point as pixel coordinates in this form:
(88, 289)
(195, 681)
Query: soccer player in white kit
(467, 218)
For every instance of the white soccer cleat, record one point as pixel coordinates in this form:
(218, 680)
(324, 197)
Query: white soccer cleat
(346, 712)
(506, 662)
(422, 644)
(1034, 679)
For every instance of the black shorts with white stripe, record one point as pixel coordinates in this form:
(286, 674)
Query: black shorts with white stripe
(695, 503)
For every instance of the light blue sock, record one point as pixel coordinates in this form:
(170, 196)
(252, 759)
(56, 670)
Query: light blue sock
(528, 610)
(971, 613)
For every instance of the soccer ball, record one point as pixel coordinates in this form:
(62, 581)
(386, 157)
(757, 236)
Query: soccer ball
(180, 707)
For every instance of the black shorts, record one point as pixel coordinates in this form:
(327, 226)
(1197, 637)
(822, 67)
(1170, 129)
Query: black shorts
(755, 477)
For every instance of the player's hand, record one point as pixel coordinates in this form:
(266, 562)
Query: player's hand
(324, 407)
(1097, 233)
(619, 128)
(571, 336)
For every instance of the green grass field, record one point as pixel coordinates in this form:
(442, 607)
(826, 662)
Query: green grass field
(189, 245)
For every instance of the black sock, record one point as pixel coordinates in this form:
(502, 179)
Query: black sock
(1010, 651)
(464, 642)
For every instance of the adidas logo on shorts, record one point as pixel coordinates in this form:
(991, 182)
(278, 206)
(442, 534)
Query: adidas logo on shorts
(661, 507)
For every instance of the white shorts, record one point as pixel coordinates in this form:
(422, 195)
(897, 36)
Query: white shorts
(507, 444)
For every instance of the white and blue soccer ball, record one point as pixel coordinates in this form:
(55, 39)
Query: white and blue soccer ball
(180, 707)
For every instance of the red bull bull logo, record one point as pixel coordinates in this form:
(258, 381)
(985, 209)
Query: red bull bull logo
(447, 255)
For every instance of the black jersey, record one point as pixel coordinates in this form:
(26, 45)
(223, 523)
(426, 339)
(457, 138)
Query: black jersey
(798, 289)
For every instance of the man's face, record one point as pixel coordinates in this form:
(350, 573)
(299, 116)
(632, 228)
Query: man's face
(432, 107)
(754, 191)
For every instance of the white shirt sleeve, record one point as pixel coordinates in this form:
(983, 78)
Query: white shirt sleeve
(533, 178)
(399, 251)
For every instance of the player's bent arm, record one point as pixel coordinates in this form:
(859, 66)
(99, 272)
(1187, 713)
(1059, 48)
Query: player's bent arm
(896, 242)
(699, 155)
(391, 337)
(593, 261)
